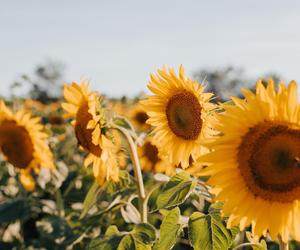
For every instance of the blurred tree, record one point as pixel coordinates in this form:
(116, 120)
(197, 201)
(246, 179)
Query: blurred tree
(228, 81)
(224, 82)
(46, 82)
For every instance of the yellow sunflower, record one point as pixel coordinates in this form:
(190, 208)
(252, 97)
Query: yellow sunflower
(89, 121)
(255, 162)
(151, 159)
(138, 116)
(179, 113)
(22, 142)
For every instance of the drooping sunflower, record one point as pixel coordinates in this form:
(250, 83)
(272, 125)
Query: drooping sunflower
(179, 113)
(255, 162)
(151, 160)
(138, 116)
(22, 142)
(89, 122)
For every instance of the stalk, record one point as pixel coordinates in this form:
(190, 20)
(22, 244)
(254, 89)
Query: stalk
(138, 174)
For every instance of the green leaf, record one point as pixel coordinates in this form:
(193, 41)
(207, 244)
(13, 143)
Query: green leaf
(141, 237)
(111, 230)
(90, 199)
(209, 232)
(144, 233)
(175, 192)
(257, 245)
(14, 209)
(122, 122)
(170, 229)
(125, 181)
(127, 243)
(106, 243)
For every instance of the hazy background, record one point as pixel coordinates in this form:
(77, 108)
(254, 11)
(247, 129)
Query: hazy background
(116, 44)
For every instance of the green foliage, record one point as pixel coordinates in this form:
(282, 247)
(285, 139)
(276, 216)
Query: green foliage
(170, 230)
(208, 231)
(142, 236)
(175, 192)
(90, 198)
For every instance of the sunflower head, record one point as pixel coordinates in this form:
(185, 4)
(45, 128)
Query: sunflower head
(86, 110)
(258, 153)
(152, 160)
(90, 125)
(22, 141)
(179, 113)
(138, 116)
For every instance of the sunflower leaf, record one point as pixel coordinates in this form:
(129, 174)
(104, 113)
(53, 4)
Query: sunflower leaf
(90, 199)
(175, 192)
(141, 237)
(209, 232)
(170, 229)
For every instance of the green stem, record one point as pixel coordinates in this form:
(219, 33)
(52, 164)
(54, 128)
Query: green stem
(138, 174)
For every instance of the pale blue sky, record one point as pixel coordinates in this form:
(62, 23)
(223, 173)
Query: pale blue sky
(117, 44)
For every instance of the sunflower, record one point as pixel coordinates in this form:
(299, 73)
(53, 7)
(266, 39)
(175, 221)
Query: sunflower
(138, 116)
(151, 160)
(90, 125)
(22, 142)
(258, 154)
(179, 113)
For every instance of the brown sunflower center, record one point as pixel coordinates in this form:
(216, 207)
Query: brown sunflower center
(184, 115)
(16, 144)
(84, 135)
(151, 153)
(269, 161)
(141, 117)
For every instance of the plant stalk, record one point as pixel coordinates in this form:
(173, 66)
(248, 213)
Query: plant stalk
(138, 174)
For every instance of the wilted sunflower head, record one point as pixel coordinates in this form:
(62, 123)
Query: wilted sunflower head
(258, 154)
(22, 141)
(86, 108)
(179, 113)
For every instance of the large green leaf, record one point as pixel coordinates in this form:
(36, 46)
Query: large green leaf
(209, 231)
(169, 230)
(14, 209)
(175, 191)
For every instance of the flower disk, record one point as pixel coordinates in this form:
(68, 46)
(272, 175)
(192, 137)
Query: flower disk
(179, 113)
(258, 153)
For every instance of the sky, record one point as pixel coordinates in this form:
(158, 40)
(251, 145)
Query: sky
(117, 44)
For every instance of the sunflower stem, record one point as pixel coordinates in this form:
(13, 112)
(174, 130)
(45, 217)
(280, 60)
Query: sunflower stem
(138, 174)
(283, 245)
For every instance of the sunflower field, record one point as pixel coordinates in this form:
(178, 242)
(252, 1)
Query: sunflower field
(177, 169)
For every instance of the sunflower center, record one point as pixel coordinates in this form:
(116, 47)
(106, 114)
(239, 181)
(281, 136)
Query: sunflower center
(184, 115)
(151, 153)
(268, 158)
(84, 135)
(141, 117)
(16, 144)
